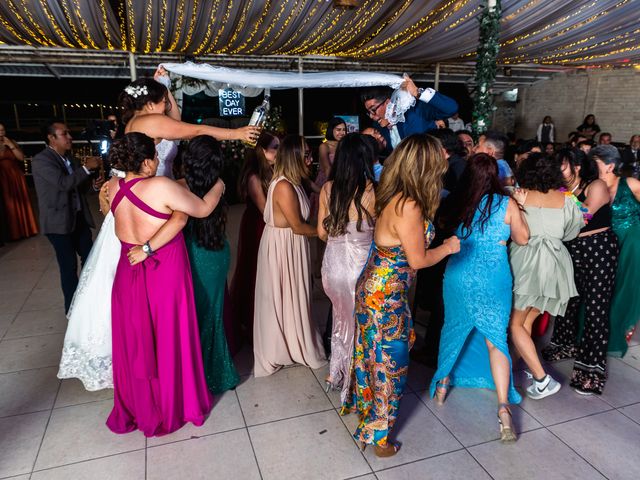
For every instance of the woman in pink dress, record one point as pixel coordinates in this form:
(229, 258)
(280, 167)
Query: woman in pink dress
(158, 376)
(345, 222)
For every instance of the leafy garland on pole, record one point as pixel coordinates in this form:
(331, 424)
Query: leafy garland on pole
(489, 45)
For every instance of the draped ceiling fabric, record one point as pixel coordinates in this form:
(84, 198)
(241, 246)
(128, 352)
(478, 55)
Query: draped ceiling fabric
(580, 32)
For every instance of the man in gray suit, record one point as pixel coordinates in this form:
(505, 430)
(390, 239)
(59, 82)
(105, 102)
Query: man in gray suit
(65, 218)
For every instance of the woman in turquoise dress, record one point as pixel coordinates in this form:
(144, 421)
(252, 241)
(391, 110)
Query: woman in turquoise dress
(406, 200)
(209, 255)
(625, 221)
(477, 289)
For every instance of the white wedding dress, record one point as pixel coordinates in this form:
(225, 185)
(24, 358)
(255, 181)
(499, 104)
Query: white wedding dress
(86, 353)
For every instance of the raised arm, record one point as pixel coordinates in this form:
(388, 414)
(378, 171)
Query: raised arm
(162, 76)
(181, 199)
(286, 198)
(410, 230)
(162, 126)
(634, 186)
(15, 149)
(323, 159)
(597, 196)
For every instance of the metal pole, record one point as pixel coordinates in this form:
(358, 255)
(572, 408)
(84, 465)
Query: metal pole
(15, 113)
(132, 66)
(436, 81)
(64, 114)
(300, 102)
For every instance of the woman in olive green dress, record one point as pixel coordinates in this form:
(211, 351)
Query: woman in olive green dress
(543, 279)
(209, 256)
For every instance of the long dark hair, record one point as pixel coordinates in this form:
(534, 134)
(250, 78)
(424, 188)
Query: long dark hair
(351, 172)
(138, 93)
(480, 178)
(577, 158)
(255, 163)
(202, 163)
(131, 151)
(333, 123)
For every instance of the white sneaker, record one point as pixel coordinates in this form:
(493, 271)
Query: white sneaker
(548, 386)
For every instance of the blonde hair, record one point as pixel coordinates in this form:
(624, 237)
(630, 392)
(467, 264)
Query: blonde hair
(414, 170)
(290, 162)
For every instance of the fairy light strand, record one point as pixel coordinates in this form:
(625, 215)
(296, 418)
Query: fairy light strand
(207, 37)
(191, 28)
(105, 25)
(54, 24)
(163, 27)
(223, 24)
(25, 27)
(256, 26)
(35, 25)
(177, 34)
(83, 24)
(238, 28)
(294, 12)
(72, 25)
(270, 27)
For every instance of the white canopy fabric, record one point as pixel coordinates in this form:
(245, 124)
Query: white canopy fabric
(248, 81)
(571, 32)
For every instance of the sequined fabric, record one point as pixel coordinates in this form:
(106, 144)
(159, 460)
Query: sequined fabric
(209, 271)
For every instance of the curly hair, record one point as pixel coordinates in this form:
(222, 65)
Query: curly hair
(129, 152)
(540, 173)
(156, 93)
(351, 173)
(202, 162)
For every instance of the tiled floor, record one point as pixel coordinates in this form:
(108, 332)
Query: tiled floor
(285, 426)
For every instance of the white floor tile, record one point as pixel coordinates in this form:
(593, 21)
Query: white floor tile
(126, 466)
(313, 446)
(19, 442)
(31, 352)
(28, 391)
(287, 393)
(40, 322)
(451, 466)
(225, 455)
(72, 392)
(334, 395)
(633, 357)
(43, 299)
(633, 412)
(471, 415)
(564, 405)
(5, 322)
(419, 431)
(11, 300)
(225, 416)
(536, 455)
(623, 385)
(606, 441)
(79, 433)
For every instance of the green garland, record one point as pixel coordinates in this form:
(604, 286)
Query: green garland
(489, 45)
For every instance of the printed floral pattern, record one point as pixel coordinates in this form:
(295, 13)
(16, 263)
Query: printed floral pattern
(384, 336)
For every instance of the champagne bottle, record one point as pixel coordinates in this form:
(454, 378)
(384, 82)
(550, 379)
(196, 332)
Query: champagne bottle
(257, 119)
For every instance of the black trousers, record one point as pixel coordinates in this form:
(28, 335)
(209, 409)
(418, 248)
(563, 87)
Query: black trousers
(595, 260)
(68, 247)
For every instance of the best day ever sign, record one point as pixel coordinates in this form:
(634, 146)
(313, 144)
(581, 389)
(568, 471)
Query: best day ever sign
(231, 103)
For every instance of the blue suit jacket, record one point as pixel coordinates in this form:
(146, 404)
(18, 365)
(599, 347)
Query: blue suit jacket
(421, 118)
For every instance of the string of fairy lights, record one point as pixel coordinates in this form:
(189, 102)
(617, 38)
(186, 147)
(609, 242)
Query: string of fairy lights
(313, 27)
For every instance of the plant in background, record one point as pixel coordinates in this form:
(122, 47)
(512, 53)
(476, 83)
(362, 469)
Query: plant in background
(274, 123)
(488, 47)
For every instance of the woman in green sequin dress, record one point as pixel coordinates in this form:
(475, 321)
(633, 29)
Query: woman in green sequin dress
(209, 256)
(625, 221)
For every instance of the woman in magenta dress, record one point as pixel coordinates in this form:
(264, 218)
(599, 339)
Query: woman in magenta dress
(158, 376)
(254, 183)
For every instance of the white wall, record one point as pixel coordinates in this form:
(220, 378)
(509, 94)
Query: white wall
(613, 96)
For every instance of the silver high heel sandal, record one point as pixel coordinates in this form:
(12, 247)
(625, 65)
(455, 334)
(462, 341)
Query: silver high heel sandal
(505, 420)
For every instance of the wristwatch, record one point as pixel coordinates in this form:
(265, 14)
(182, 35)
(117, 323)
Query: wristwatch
(146, 248)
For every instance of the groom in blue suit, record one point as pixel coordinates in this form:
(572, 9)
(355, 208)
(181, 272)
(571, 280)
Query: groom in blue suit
(429, 112)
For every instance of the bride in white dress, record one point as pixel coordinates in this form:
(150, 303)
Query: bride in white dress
(149, 108)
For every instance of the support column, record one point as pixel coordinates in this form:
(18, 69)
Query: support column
(436, 81)
(300, 102)
(132, 66)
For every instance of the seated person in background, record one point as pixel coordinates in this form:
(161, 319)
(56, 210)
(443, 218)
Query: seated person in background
(427, 114)
(524, 149)
(494, 143)
(455, 123)
(631, 153)
(605, 139)
(585, 145)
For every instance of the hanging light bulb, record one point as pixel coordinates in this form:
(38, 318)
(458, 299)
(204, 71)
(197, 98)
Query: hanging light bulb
(346, 3)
